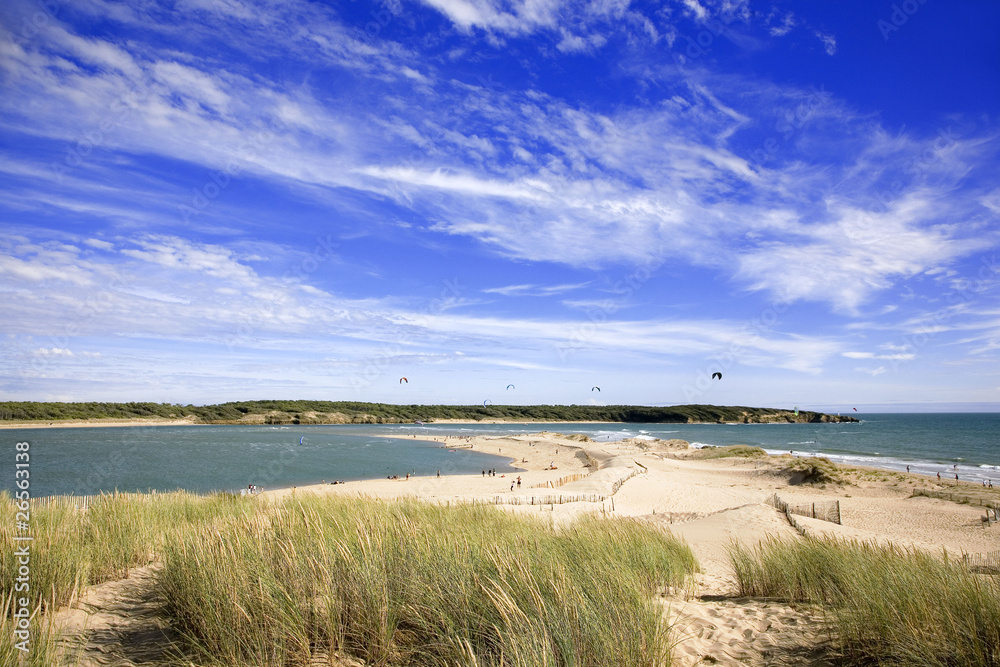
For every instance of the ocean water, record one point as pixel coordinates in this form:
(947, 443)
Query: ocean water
(964, 443)
(84, 461)
(87, 461)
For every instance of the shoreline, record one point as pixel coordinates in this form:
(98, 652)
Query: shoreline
(925, 470)
(548, 446)
(708, 503)
(124, 422)
(98, 423)
(666, 482)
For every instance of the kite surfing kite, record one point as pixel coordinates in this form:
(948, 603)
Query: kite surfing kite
(596, 389)
(487, 403)
(402, 380)
(716, 376)
(510, 386)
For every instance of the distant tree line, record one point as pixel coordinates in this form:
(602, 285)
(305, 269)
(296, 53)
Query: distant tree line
(353, 411)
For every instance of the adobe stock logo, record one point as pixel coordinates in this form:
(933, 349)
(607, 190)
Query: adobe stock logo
(901, 13)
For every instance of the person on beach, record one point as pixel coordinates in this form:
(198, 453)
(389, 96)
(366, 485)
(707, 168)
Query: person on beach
(519, 481)
(484, 473)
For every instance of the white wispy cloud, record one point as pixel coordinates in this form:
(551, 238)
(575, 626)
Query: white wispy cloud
(534, 289)
(142, 136)
(599, 188)
(225, 300)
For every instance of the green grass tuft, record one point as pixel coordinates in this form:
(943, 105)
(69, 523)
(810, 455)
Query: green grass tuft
(891, 606)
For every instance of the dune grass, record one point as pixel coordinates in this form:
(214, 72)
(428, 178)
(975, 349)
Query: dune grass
(249, 582)
(890, 606)
(814, 470)
(413, 583)
(728, 451)
(40, 643)
(72, 548)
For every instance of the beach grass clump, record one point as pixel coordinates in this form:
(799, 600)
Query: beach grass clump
(414, 583)
(890, 606)
(813, 470)
(59, 563)
(32, 640)
(729, 451)
(72, 547)
(124, 531)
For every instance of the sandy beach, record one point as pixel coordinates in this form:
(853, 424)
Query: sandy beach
(707, 502)
(98, 423)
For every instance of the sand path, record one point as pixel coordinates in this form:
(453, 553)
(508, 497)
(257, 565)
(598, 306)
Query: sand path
(119, 623)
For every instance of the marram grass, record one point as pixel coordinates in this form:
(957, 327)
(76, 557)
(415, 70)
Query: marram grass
(890, 606)
(72, 548)
(394, 583)
(252, 583)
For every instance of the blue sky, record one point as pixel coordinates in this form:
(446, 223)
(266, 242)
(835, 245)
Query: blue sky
(222, 200)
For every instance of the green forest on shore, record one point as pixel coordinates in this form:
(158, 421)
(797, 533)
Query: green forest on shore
(352, 412)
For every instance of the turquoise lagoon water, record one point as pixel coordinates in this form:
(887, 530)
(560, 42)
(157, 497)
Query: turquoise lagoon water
(85, 461)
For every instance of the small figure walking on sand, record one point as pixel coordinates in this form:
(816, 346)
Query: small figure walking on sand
(439, 473)
(907, 468)
(484, 473)
(511, 485)
(519, 481)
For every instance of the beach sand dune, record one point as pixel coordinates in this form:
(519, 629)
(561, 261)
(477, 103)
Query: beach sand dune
(710, 503)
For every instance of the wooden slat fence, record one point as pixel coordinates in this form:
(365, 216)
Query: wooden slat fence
(992, 508)
(988, 563)
(621, 480)
(540, 500)
(964, 498)
(83, 502)
(827, 511)
(782, 506)
(559, 482)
